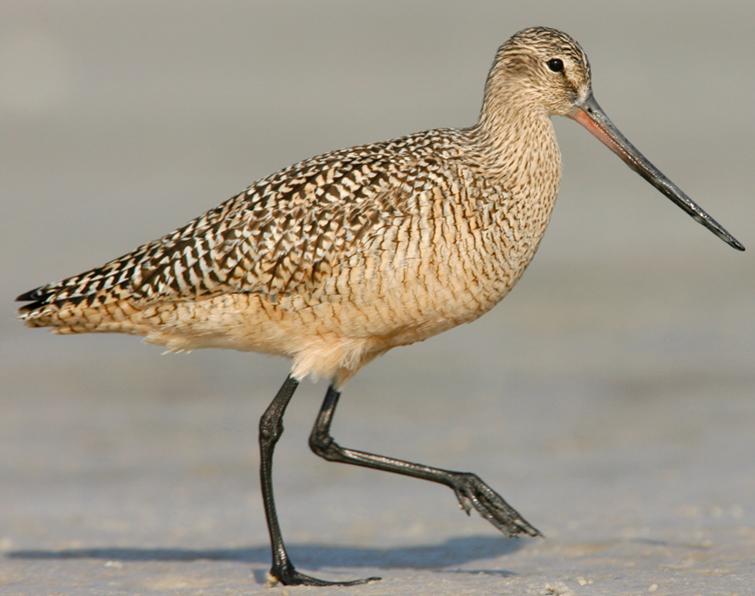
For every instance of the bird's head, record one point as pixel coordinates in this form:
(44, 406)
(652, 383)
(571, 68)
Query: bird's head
(547, 67)
(544, 72)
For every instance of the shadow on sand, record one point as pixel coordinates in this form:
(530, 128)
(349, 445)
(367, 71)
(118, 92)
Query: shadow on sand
(452, 552)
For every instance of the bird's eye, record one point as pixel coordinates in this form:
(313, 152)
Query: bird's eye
(556, 64)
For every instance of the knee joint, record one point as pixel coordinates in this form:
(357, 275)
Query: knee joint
(271, 428)
(322, 444)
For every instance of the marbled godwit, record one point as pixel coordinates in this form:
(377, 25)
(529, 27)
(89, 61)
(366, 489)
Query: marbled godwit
(335, 260)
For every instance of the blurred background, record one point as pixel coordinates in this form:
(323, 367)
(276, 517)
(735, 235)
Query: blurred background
(610, 398)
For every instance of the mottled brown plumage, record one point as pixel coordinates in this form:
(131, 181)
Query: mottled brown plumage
(343, 256)
(340, 257)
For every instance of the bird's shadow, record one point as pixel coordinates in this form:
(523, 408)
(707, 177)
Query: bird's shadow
(451, 553)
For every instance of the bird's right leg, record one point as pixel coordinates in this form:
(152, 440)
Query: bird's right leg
(271, 428)
(469, 489)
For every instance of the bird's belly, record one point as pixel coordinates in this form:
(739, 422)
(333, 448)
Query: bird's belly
(414, 297)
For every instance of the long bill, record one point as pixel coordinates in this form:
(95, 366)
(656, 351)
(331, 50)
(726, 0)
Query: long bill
(590, 115)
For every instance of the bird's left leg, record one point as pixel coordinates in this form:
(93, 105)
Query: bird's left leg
(470, 490)
(271, 429)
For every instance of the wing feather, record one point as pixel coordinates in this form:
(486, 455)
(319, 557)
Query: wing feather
(281, 235)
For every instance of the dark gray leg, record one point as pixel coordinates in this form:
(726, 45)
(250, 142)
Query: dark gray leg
(271, 428)
(469, 489)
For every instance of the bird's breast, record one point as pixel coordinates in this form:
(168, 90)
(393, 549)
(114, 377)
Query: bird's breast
(438, 269)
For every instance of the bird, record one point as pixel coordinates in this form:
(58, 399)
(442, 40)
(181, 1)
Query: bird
(337, 259)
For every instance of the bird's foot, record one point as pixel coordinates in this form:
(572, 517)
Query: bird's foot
(289, 576)
(472, 492)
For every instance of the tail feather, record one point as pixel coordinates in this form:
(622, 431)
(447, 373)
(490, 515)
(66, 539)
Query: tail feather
(109, 283)
(82, 314)
(47, 298)
(128, 283)
(32, 295)
(44, 308)
(70, 307)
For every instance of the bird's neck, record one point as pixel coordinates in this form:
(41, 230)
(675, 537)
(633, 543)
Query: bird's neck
(518, 143)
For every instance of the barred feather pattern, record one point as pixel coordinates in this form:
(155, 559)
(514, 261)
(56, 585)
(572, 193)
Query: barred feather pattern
(340, 257)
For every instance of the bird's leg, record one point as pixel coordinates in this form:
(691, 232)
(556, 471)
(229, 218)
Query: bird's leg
(469, 489)
(271, 428)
